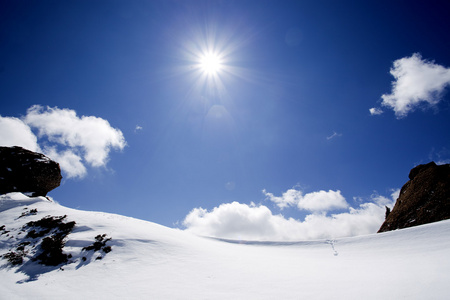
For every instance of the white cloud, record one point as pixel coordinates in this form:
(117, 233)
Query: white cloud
(94, 136)
(417, 82)
(443, 162)
(374, 111)
(14, 132)
(70, 162)
(72, 141)
(256, 222)
(232, 220)
(138, 128)
(289, 198)
(320, 201)
(334, 135)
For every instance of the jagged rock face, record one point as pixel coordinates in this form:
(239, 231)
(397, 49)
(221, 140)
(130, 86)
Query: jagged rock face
(425, 198)
(25, 171)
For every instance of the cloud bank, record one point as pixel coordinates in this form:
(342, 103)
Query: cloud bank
(417, 82)
(257, 222)
(72, 141)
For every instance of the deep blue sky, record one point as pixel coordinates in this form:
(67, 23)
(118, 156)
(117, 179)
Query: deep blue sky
(265, 128)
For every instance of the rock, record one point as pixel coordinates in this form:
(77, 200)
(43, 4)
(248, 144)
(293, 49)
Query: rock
(25, 171)
(425, 198)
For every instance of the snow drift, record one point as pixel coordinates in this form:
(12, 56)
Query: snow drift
(149, 261)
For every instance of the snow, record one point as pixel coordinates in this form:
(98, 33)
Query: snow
(150, 261)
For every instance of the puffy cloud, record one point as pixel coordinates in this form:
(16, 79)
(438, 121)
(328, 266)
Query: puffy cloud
(320, 201)
(94, 136)
(72, 141)
(232, 220)
(256, 222)
(289, 198)
(14, 132)
(417, 82)
(70, 162)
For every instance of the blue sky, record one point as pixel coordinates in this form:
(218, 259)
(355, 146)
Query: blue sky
(281, 133)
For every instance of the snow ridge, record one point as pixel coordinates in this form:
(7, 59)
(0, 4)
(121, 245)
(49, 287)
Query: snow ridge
(150, 261)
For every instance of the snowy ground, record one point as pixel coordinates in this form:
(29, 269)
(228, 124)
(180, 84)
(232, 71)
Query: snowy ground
(149, 261)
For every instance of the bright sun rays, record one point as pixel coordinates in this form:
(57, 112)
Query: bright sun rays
(211, 59)
(210, 63)
(207, 55)
(210, 67)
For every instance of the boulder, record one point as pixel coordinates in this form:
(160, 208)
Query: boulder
(24, 171)
(425, 198)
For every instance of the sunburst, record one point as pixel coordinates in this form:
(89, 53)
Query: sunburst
(211, 63)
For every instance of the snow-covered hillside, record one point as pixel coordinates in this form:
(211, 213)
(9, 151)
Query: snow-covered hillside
(149, 261)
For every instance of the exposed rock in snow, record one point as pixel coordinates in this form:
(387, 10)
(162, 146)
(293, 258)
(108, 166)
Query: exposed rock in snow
(25, 171)
(425, 198)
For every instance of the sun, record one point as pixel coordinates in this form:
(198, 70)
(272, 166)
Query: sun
(210, 63)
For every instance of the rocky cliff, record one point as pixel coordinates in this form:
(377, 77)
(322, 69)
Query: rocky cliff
(425, 198)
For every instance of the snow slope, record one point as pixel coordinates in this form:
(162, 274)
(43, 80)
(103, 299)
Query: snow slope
(149, 261)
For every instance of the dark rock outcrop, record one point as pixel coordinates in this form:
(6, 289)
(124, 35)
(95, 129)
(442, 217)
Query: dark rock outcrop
(425, 198)
(25, 171)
